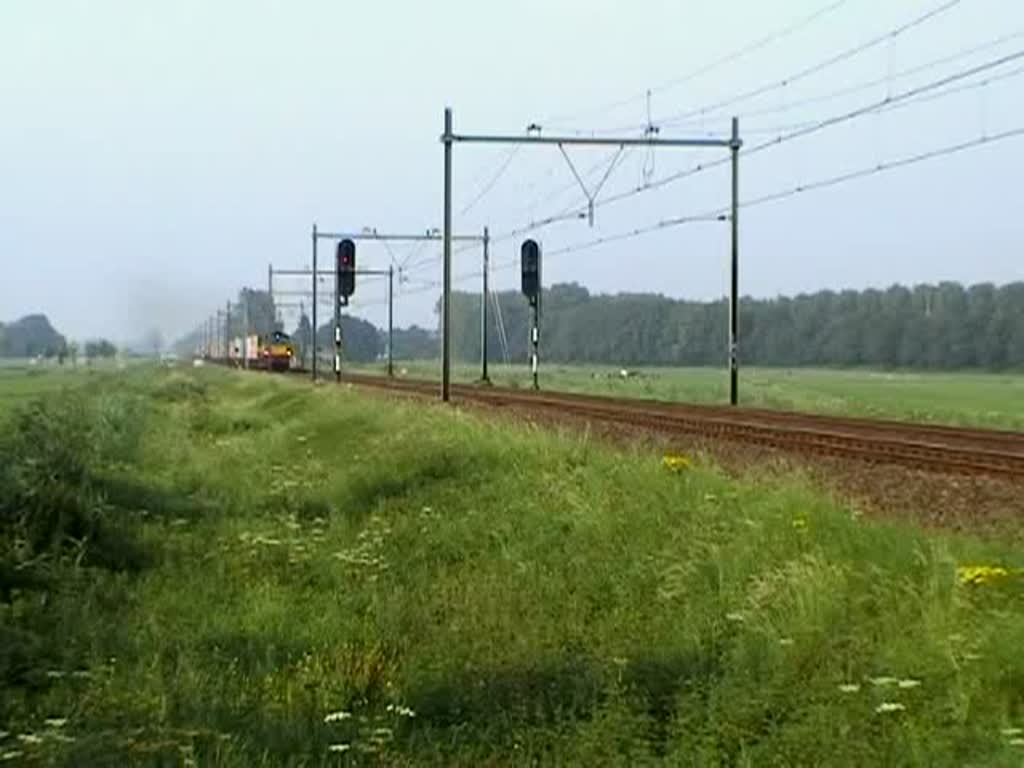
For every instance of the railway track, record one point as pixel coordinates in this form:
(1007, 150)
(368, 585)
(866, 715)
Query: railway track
(934, 448)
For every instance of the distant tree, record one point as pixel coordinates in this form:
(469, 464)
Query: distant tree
(360, 339)
(927, 326)
(31, 336)
(99, 348)
(414, 343)
(301, 338)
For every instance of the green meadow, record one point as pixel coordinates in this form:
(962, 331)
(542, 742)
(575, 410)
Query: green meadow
(213, 568)
(967, 399)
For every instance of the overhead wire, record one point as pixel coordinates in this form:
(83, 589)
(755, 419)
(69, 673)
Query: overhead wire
(798, 132)
(866, 85)
(817, 68)
(722, 213)
(728, 58)
(493, 180)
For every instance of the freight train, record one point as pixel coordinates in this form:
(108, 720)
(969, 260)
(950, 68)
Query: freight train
(275, 352)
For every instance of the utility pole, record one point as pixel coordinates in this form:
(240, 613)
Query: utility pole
(734, 299)
(314, 302)
(391, 325)
(446, 301)
(484, 295)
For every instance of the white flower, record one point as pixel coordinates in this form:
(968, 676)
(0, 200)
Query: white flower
(30, 738)
(908, 683)
(849, 687)
(338, 716)
(401, 711)
(12, 754)
(785, 641)
(339, 747)
(1010, 732)
(881, 681)
(1017, 742)
(56, 722)
(889, 706)
(735, 616)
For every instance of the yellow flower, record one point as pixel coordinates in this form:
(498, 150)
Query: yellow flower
(980, 574)
(677, 462)
(800, 523)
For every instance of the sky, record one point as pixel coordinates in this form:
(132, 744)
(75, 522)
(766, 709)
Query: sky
(157, 156)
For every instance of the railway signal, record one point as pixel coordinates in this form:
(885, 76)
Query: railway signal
(530, 257)
(346, 269)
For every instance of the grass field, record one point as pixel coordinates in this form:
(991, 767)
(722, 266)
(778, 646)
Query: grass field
(978, 399)
(220, 569)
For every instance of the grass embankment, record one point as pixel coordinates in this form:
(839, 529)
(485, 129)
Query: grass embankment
(218, 568)
(964, 399)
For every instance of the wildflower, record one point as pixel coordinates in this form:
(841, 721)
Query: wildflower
(908, 683)
(401, 711)
(975, 575)
(849, 687)
(889, 706)
(54, 673)
(30, 738)
(338, 716)
(786, 641)
(800, 523)
(12, 754)
(735, 616)
(677, 462)
(1017, 742)
(883, 681)
(1010, 732)
(339, 747)
(56, 722)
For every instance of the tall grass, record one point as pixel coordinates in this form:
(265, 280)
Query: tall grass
(340, 579)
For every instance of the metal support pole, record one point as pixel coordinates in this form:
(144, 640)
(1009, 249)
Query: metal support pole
(446, 302)
(734, 299)
(391, 325)
(314, 302)
(535, 338)
(337, 326)
(483, 310)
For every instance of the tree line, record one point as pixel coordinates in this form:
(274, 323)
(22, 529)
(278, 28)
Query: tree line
(943, 326)
(34, 336)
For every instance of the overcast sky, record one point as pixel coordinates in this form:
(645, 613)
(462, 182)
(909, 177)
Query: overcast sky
(156, 156)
